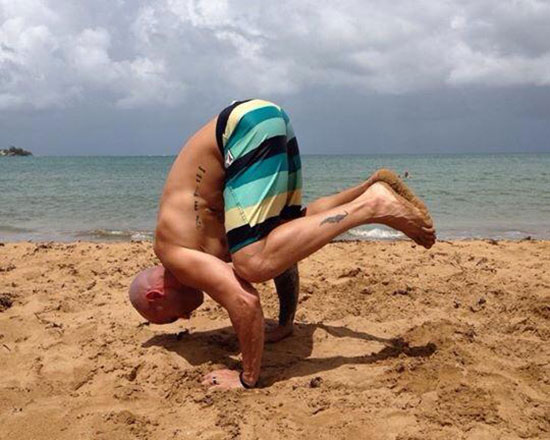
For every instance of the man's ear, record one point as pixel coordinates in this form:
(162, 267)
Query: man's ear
(153, 295)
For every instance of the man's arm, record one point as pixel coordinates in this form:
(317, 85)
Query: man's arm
(288, 288)
(218, 279)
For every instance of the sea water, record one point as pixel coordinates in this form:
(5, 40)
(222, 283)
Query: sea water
(501, 196)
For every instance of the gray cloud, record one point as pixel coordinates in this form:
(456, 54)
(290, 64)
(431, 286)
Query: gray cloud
(134, 77)
(142, 54)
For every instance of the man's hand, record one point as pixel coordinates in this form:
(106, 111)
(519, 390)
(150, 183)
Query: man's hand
(276, 333)
(222, 380)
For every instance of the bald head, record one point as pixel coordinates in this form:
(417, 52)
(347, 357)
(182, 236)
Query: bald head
(160, 298)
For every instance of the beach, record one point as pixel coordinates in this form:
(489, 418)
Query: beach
(393, 342)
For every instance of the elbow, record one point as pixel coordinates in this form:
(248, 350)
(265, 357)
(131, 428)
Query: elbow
(250, 303)
(244, 310)
(159, 248)
(248, 300)
(253, 300)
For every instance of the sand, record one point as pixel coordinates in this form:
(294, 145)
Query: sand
(473, 361)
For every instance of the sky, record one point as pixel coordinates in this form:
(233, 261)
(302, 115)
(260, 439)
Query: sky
(356, 76)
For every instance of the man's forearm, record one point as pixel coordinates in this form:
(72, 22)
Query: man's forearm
(219, 280)
(288, 287)
(248, 322)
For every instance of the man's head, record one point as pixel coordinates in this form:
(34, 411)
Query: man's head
(160, 298)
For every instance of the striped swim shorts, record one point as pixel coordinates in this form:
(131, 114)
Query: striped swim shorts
(263, 172)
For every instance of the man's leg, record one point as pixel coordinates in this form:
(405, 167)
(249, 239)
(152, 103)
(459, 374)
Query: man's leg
(299, 238)
(325, 203)
(287, 286)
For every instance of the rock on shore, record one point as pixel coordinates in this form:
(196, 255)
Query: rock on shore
(14, 151)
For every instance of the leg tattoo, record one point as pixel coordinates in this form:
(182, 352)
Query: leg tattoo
(288, 286)
(335, 218)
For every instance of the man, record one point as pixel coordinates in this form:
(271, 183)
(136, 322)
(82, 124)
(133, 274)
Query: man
(230, 215)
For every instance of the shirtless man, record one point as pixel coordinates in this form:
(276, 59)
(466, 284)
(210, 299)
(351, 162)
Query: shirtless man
(230, 215)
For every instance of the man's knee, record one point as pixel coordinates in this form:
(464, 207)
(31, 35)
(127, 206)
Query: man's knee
(253, 269)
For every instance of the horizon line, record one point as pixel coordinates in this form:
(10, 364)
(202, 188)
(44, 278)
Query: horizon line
(479, 153)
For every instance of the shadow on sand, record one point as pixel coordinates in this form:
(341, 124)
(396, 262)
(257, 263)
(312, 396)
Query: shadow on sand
(286, 359)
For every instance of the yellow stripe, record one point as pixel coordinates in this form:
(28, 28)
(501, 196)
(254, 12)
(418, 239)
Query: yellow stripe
(256, 214)
(295, 198)
(239, 112)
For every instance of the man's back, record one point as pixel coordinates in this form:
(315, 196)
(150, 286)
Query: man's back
(191, 212)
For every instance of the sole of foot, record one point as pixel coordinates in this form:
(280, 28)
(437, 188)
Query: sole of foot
(394, 210)
(398, 186)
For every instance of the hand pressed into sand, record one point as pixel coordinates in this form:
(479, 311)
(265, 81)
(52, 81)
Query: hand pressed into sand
(222, 379)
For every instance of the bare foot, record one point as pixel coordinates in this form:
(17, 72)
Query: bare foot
(391, 209)
(277, 333)
(395, 182)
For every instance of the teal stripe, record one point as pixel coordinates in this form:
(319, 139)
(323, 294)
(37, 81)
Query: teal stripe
(265, 168)
(251, 194)
(229, 200)
(294, 181)
(249, 121)
(259, 169)
(289, 132)
(285, 116)
(256, 191)
(244, 243)
(258, 134)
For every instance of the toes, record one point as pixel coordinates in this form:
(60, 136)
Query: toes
(429, 241)
(427, 237)
(428, 223)
(425, 242)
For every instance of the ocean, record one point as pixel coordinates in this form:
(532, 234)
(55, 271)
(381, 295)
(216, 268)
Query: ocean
(500, 196)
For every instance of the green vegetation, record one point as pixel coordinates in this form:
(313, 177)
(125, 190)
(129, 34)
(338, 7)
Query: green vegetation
(14, 151)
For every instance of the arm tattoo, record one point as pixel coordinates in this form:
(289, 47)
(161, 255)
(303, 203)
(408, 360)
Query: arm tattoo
(335, 219)
(288, 287)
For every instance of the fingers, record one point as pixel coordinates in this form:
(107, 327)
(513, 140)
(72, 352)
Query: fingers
(210, 379)
(222, 380)
(213, 379)
(213, 383)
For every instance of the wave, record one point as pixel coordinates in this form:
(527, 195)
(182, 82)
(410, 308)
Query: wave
(376, 234)
(114, 234)
(13, 229)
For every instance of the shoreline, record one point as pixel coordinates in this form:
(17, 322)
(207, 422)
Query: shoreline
(473, 317)
(118, 239)
(527, 238)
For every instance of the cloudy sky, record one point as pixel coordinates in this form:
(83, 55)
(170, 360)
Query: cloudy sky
(356, 76)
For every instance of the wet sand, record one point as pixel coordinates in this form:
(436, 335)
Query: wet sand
(393, 342)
